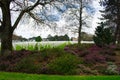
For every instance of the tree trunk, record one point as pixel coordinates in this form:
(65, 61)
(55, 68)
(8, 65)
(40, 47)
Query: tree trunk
(80, 23)
(6, 32)
(6, 43)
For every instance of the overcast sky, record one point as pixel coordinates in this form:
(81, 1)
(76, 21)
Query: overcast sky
(27, 30)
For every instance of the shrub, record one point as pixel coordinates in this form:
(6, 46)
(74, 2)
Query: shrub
(66, 64)
(7, 62)
(52, 53)
(93, 58)
(107, 52)
(4, 65)
(111, 69)
(100, 68)
(78, 50)
(86, 70)
(29, 65)
(118, 70)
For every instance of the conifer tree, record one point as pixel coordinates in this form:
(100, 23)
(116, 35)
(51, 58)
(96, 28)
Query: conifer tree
(103, 36)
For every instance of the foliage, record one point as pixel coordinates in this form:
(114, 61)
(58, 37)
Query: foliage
(92, 54)
(66, 64)
(28, 65)
(111, 16)
(8, 62)
(34, 63)
(103, 36)
(83, 69)
(90, 59)
(111, 69)
(38, 39)
(4, 65)
(58, 38)
(94, 58)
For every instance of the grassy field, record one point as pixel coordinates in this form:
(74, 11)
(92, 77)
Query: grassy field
(40, 45)
(21, 76)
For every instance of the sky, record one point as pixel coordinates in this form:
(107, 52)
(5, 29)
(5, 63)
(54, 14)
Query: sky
(27, 30)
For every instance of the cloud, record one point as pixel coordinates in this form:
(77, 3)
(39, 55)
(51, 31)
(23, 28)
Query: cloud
(97, 15)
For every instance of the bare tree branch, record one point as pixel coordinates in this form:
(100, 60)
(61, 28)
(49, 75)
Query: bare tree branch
(35, 17)
(22, 13)
(18, 20)
(27, 10)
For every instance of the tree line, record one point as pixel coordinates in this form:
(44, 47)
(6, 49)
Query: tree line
(58, 38)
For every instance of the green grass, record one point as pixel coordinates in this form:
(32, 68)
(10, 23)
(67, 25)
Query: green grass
(22, 76)
(41, 47)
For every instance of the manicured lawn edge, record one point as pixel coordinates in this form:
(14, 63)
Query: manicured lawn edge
(24, 76)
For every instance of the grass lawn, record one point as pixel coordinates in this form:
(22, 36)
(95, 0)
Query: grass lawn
(21, 76)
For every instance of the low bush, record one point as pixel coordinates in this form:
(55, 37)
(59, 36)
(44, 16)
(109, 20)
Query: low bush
(51, 53)
(100, 68)
(4, 65)
(94, 58)
(7, 62)
(29, 65)
(86, 70)
(65, 64)
(111, 69)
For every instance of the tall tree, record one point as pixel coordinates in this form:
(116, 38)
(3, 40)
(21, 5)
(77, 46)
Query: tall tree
(80, 21)
(112, 16)
(82, 4)
(79, 17)
(6, 27)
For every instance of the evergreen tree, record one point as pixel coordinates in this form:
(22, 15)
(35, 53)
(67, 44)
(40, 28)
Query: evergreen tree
(103, 36)
(112, 16)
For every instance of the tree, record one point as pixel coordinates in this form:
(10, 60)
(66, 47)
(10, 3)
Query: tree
(103, 36)
(6, 27)
(38, 39)
(80, 21)
(78, 17)
(83, 4)
(112, 16)
(58, 38)
(50, 37)
(66, 37)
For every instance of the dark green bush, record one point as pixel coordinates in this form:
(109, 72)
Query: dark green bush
(66, 64)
